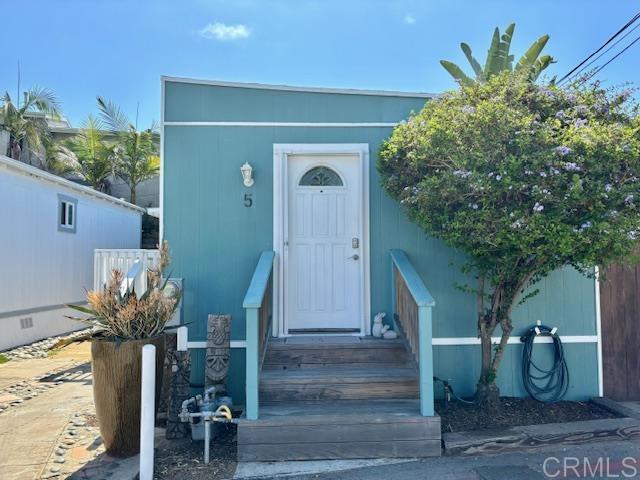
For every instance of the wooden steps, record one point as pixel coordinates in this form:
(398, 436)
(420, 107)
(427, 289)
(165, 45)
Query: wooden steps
(338, 397)
(325, 384)
(297, 431)
(350, 351)
(336, 369)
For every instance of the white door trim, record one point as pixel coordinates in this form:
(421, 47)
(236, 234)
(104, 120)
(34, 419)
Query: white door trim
(280, 222)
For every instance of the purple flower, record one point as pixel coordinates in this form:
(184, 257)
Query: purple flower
(562, 151)
(468, 109)
(571, 98)
(580, 122)
(538, 207)
(608, 187)
(602, 108)
(571, 167)
(581, 110)
(585, 226)
(560, 114)
(547, 92)
(462, 173)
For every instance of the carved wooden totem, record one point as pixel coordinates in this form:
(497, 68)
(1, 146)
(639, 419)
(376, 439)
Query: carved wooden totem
(179, 364)
(218, 352)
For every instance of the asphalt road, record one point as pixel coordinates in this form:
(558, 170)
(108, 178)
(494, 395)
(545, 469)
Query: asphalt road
(620, 459)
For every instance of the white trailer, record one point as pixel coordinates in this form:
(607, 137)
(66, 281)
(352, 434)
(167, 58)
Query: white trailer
(49, 229)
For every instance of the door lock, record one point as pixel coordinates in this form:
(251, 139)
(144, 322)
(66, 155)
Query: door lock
(355, 242)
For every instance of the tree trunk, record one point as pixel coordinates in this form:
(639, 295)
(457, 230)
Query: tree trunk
(487, 392)
(16, 150)
(133, 195)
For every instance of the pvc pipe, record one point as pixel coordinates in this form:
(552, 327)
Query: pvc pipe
(207, 426)
(147, 411)
(183, 337)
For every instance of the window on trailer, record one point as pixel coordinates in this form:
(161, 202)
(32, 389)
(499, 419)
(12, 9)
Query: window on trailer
(67, 213)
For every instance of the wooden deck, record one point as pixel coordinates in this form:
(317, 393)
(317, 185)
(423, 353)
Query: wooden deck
(338, 398)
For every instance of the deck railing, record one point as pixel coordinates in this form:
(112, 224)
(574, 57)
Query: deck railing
(105, 260)
(412, 311)
(258, 304)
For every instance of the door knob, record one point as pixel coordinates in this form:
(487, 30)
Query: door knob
(354, 257)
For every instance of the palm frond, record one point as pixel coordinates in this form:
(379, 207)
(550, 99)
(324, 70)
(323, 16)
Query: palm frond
(42, 100)
(114, 118)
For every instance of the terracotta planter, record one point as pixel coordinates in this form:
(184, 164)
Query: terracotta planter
(117, 372)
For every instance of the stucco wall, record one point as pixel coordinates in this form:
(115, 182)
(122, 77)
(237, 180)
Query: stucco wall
(216, 240)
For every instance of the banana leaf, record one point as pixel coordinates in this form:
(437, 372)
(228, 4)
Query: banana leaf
(494, 63)
(456, 72)
(505, 46)
(477, 68)
(528, 60)
(542, 63)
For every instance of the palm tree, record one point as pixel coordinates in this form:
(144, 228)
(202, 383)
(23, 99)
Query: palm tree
(136, 151)
(499, 59)
(92, 157)
(22, 121)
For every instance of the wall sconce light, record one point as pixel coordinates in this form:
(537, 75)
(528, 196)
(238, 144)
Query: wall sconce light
(247, 171)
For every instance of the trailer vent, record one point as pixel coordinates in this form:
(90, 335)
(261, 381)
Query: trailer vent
(26, 322)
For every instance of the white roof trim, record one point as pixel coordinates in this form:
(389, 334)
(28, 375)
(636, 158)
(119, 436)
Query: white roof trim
(30, 171)
(289, 88)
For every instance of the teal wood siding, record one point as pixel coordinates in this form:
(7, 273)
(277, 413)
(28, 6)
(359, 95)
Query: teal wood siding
(216, 241)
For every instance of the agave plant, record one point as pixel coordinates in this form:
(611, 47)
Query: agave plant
(119, 313)
(500, 59)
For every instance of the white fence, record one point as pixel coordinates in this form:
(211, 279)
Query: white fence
(106, 260)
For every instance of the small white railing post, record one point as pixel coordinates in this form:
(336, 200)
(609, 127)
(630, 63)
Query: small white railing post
(147, 411)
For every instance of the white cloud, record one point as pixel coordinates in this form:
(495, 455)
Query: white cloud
(221, 31)
(409, 19)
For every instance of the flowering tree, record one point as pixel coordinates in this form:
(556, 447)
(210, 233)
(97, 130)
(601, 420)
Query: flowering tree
(524, 179)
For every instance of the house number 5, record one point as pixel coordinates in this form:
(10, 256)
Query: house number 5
(248, 200)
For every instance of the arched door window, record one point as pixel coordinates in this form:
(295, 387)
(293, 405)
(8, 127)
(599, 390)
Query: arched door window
(321, 176)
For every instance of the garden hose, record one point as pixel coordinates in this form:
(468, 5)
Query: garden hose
(449, 393)
(544, 385)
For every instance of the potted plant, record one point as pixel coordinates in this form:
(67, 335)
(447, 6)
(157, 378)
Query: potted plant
(123, 321)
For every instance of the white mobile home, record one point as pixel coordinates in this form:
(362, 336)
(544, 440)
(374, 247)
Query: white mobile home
(49, 228)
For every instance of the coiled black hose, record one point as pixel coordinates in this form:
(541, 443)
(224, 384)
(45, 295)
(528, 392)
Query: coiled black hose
(546, 386)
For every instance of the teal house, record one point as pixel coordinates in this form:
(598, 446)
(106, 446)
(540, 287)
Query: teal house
(274, 213)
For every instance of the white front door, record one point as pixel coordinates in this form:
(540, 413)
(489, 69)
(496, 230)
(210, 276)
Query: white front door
(323, 244)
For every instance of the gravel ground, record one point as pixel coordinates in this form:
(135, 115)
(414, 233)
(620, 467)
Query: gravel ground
(41, 348)
(184, 459)
(458, 416)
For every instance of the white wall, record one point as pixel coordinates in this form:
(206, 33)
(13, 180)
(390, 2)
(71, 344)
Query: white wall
(41, 266)
(147, 193)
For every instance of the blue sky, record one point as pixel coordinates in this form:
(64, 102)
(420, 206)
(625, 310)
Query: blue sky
(119, 48)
